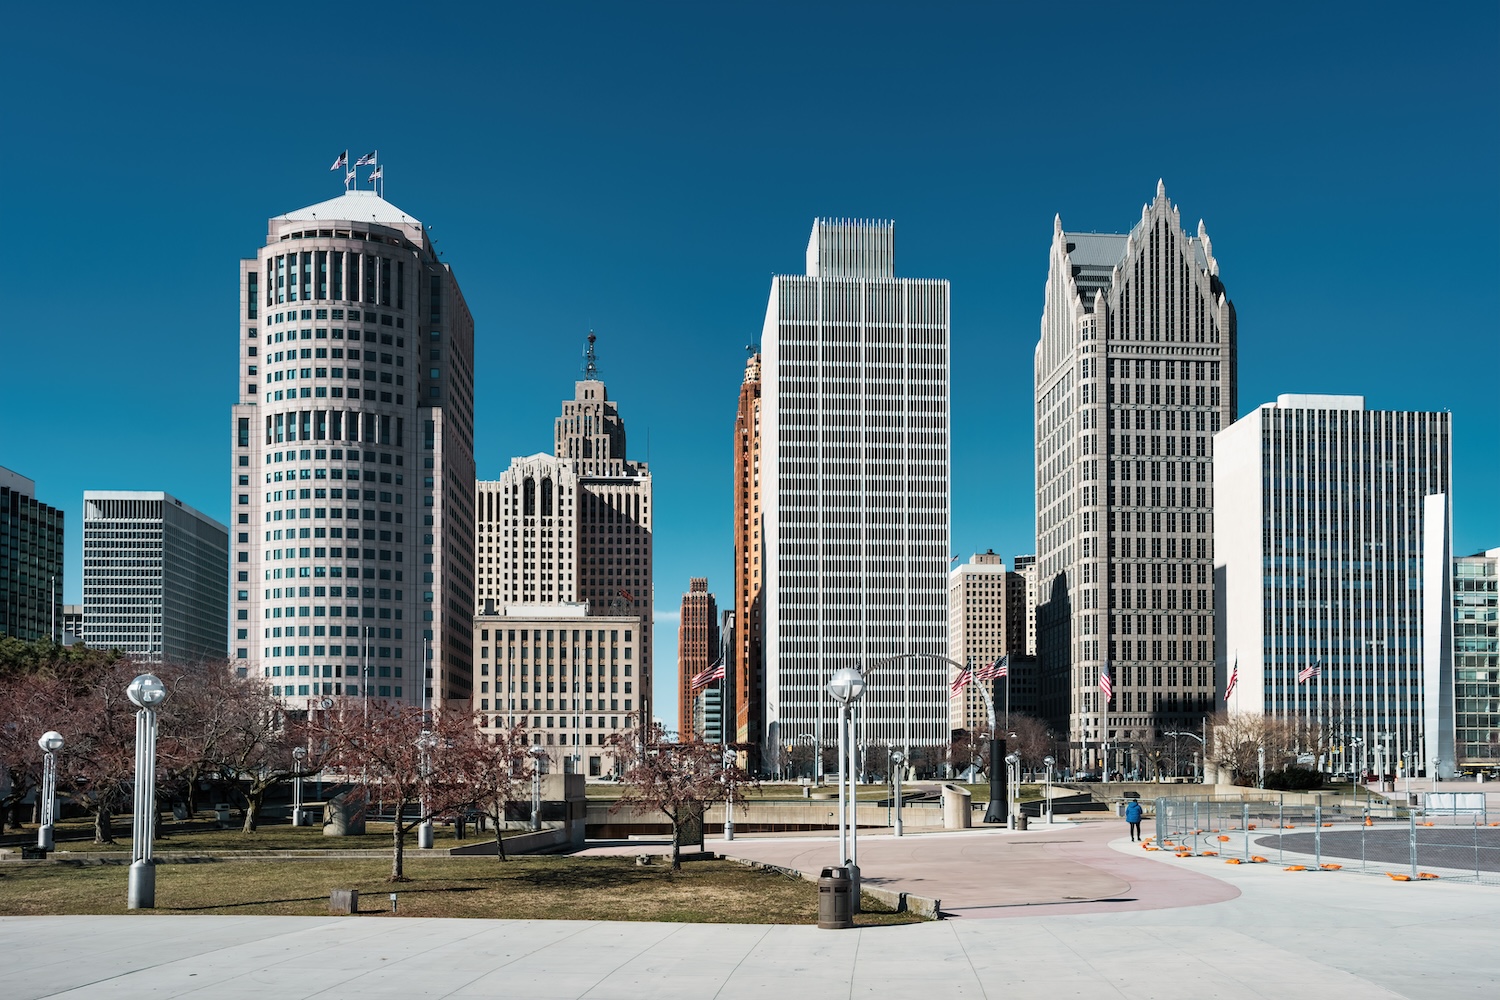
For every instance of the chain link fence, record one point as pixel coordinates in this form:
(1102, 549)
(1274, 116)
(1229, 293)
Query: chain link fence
(1443, 835)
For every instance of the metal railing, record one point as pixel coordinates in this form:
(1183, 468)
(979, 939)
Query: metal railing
(1438, 839)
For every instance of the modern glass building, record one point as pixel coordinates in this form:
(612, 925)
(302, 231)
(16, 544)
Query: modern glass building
(155, 577)
(31, 562)
(1328, 518)
(1134, 372)
(855, 478)
(1476, 661)
(352, 461)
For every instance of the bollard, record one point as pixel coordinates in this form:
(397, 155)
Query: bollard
(1245, 828)
(1412, 838)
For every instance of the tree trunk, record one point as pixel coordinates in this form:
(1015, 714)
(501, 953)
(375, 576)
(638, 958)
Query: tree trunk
(103, 830)
(676, 845)
(253, 800)
(398, 856)
(499, 833)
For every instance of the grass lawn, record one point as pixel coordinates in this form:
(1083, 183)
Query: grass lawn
(269, 837)
(544, 888)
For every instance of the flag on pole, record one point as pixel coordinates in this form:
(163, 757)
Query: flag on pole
(713, 673)
(349, 177)
(1234, 678)
(1106, 686)
(965, 676)
(342, 161)
(953, 559)
(367, 160)
(1308, 673)
(627, 595)
(376, 174)
(1000, 668)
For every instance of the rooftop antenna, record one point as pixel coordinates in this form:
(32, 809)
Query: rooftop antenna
(590, 361)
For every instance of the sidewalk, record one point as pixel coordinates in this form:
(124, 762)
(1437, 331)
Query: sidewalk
(1270, 934)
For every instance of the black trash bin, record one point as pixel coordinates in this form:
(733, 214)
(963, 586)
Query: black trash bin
(1020, 821)
(835, 899)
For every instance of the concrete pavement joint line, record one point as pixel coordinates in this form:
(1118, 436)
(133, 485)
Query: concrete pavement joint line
(859, 937)
(1085, 960)
(748, 952)
(958, 939)
(654, 944)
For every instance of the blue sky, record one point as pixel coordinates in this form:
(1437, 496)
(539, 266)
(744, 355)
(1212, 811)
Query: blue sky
(642, 170)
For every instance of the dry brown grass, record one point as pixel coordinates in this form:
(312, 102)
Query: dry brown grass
(545, 888)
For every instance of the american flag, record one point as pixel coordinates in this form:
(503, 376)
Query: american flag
(1308, 673)
(342, 161)
(367, 160)
(376, 174)
(1106, 686)
(1000, 668)
(1234, 678)
(627, 595)
(713, 673)
(965, 675)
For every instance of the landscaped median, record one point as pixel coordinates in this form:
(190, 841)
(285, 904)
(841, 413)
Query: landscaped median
(529, 888)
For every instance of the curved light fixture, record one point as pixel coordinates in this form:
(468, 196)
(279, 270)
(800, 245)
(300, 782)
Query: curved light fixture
(51, 741)
(846, 685)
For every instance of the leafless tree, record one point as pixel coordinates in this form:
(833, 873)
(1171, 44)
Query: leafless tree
(500, 774)
(677, 779)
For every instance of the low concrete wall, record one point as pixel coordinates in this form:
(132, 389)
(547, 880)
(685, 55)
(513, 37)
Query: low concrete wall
(607, 823)
(901, 902)
(541, 842)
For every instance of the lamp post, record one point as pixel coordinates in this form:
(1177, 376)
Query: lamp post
(1047, 762)
(1013, 772)
(51, 742)
(537, 756)
(146, 692)
(1201, 743)
(425, 743)
(730, 759)
(846, 685)
(898, 761)
(299, 754)
(1260, 764)
(817, 756)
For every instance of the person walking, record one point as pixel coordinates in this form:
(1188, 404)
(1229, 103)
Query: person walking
(1133, 817)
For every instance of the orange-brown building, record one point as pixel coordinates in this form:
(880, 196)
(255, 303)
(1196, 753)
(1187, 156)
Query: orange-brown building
(697, 650)
(747, 669)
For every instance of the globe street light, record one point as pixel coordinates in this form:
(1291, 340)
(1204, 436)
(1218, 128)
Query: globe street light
(298, 755)
(1048, 762)
(537, 756)
(425, 744)
(51, 742)
(1013, 772)
(898, 762)
(731, 758)
(845, 686)
(146, 692)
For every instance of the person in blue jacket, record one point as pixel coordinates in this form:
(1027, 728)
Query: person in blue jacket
(1133, 817)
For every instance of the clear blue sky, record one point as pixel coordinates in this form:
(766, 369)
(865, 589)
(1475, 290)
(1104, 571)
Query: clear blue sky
(643, 169)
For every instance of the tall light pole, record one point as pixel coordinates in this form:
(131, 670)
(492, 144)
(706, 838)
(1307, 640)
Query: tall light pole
(898, 762)
(1012, 761)
(1047, 762)
(146, 692)
(299, 754)
(845, 686)
(537, 756)
(730, 759)
(425, 744)
(1201, 743)
(51, 742)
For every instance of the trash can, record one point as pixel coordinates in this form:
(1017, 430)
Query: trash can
(834, 899)
(1120, 809)
(1020, 821)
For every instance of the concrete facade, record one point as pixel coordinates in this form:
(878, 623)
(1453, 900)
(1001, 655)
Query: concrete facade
(1135, 370)
(31, 562)
(746, 691)
(1321, 555)
(1476, 660)
(155, 577)
(697, 650)
(352, 467)
(979, 633)
(855, 491)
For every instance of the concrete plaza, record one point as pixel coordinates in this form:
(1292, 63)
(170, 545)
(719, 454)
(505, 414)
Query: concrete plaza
(1083, 913)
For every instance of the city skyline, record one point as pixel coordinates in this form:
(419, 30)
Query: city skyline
(1322, 159)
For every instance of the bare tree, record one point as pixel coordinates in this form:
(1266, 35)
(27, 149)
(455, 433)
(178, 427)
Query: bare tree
(677, 779)
(421, 764)
(1236, 743)
(500, 775)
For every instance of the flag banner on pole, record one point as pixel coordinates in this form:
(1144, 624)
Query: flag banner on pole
(376, 174)
(627, 595)
(713, 673)
(1308, 673)
(1106, 686)
(1234, 678)
(1000, 668)
(368, 160)
(349, 177)
(953, 559)
(342, 161)
(965, 675)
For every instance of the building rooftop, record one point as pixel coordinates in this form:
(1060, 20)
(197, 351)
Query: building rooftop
(354, 206)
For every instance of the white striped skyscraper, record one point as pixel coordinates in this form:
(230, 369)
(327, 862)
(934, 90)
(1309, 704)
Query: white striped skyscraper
(855, 490)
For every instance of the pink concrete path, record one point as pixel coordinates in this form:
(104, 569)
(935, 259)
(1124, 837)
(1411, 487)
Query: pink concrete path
(1085, 867)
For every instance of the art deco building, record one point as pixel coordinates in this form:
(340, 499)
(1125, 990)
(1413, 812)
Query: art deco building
(1022, 597)
(855, 491)
(1331, 536)
(353, 460)
(31, 562)
(1135, 371)
(573, 531)
(697, 650)
(155, 577)
(746, 668)
(979, 629)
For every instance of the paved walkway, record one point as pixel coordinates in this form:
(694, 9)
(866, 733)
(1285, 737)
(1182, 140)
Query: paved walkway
(1270, 934)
